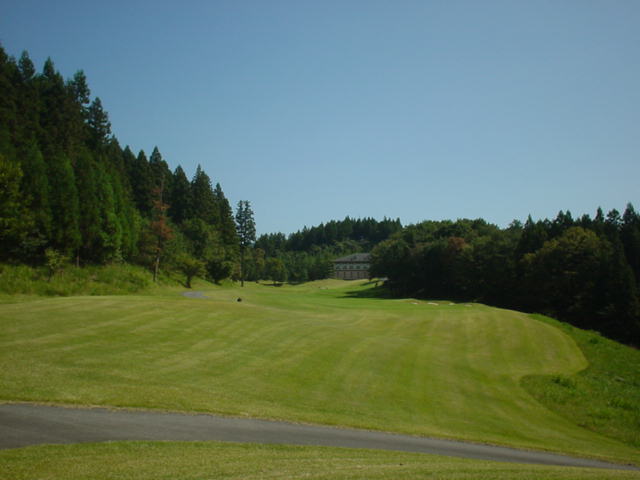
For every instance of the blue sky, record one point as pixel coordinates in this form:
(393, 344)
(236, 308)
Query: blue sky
(413, 109)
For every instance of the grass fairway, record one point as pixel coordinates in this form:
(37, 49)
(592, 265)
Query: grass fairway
(322, 353)
(202, 461)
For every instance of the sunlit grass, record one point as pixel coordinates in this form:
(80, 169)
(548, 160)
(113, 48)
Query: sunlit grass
(324, 353)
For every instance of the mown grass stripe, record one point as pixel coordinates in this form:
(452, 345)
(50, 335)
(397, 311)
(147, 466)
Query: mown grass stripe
(303, 354)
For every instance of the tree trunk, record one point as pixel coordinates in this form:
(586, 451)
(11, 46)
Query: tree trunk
(156, 267)
(241, 266)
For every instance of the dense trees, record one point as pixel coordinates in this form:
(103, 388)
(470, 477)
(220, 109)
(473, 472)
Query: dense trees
(307, 254)
(583, 271)
(67, 186)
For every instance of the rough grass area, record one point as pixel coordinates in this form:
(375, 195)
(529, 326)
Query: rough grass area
(203, 461)
(117, 279)
(323, 353)
(605, 397)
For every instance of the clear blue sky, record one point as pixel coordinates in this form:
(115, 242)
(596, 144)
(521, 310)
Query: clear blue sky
(314, 110)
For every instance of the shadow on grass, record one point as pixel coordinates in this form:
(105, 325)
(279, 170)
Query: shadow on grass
(375, 291)
(381, 291)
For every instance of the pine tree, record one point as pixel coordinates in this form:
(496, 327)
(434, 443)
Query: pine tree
(63, 197)
(99, 124)
(128, 216)
(630, 236)
(160, 170)
(180, 199)
(80, 90)
(204, 201)
(8, 105)
(142, 184)
(53, 134)
(14, 218)
(227, 226)
(89, 214)
(246, 229)
(76, 113)
(27, 104)
(27, 69)
(35, 188)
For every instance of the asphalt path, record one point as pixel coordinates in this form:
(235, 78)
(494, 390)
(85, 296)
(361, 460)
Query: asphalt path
(22, 425)
(194, 294)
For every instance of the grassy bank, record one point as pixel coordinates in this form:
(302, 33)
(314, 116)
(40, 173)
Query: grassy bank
(321, 353)
(116, 279)
(202, 461)
(605, 397)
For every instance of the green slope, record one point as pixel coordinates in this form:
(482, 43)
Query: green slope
(320, 353)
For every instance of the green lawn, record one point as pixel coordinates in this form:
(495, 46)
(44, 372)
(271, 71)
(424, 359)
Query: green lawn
(203, 461)
(321, 353)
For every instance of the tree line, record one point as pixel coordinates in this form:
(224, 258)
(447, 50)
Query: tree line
(67, 186)
(308, 253)
(70, 193)
(585, 271)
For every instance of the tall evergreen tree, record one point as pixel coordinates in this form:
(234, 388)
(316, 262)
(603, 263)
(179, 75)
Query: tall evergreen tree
(204, 201)
(8, 107)
(63, 197)
(99, 124)
(80, 91)
(53, 96)
(14, 218)
(227, 226)
(142, 184)
(630, 236)
(35, 188)
(246, 229)
(111, 229)
(27, 102)
(89, 214)
(180, 199)
(27, 69)
(160, 171)
(128, 216)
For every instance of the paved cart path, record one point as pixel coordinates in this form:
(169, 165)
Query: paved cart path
(27, 424)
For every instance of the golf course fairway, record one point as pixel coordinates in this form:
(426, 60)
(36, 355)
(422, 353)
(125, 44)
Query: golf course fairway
(324, 352)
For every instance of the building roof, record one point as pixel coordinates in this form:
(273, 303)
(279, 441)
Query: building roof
(356, 257)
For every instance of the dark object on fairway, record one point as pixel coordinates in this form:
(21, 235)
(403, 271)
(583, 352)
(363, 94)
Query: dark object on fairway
(239, 299)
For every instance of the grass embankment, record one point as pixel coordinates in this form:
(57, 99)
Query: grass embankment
(319, 353)
(605, 397)
(19, 282)
(202, 461)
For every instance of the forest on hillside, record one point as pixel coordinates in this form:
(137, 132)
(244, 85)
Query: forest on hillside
(70, 193)
(585, 271)
(69, 190)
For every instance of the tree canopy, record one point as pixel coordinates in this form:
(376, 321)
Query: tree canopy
(68, 185)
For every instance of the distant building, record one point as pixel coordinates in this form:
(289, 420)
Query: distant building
(352, 267)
